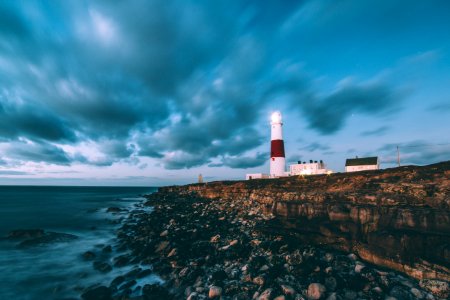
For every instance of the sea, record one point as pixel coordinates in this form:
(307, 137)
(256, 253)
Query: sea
(57, 270)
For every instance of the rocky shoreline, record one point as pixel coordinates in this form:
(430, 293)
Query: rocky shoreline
(225, 249)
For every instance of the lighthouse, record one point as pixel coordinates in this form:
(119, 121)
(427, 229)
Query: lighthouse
(277, 157)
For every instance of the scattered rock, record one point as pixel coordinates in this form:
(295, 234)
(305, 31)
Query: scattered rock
(214, 292)
(89, 255)
(266, 295)
(114, 209)
(97, 293)
(316, 291)
(42, 239)
(102, 266)
(437, 287)
(26, 233)
(288, 290)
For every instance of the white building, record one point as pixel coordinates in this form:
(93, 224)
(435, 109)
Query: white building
(256, 176)
(311, 168)
(362, 164)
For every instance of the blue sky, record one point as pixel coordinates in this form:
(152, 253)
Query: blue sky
(156, 92)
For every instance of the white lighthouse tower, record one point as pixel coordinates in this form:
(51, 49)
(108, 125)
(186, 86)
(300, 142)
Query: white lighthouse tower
(277, 157)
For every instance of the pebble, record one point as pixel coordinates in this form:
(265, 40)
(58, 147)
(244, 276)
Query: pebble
(214, 292)
(316, 291)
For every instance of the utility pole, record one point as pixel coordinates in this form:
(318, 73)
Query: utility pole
(398, 156)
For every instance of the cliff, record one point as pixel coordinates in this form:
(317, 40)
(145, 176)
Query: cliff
(398, 218)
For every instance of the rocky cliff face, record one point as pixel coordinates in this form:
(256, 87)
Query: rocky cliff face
(397, 218)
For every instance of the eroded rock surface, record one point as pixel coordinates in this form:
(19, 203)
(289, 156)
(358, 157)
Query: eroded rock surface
(398, 218)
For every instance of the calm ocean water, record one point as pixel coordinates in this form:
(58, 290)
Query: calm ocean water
(57, 270)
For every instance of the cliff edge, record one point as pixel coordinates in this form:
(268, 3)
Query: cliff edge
(397, 218)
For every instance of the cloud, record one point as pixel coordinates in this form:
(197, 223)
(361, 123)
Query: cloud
(440, 107)
(12, 172)
(91, 80)
(294, 158)
(185, 82)
(329, 114)
(315, 146)
(181, 160)
(375, 132)
(243, 162)
(417, 152)
(37, 152)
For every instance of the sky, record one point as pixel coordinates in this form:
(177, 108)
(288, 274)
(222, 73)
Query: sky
(156, 92)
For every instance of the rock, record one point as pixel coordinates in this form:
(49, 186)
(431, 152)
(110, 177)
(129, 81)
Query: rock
(417, 294)
(127, 285)
(350, 295)
(332, 296)
(328, 257)
(89, 255)
(330, 283)
(162, 246)
(399, 292)
(102, 266)
(215, 238)
(264, 268)
(358, 268)
(97, 293)
(219, 276)
(233, 242)
(114, 209)
(295, 258)
(107, 249)
(352, 256)
(288, 290)
(266, 295)
(192, 296)
(47, 238)
(117, 281)
(173, 252)
(214, 292)
(316, 291)
(437, 287)
(144, 273)
(259, 280)
(155, 291)
(121, 260)
(25, 233)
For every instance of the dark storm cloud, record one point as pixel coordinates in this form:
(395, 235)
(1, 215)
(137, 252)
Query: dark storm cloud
(376, 132)
(329, 114)
(32, 122)
(120, 71)
(184, 82)
(38, 152)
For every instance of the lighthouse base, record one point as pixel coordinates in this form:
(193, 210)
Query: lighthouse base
(277, 167)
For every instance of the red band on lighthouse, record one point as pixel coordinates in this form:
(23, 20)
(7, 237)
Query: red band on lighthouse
(277, 148)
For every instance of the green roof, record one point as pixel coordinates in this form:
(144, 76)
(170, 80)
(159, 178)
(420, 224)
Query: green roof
(363, 161)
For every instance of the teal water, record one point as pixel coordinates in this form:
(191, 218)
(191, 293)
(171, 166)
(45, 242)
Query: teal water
(57, 270)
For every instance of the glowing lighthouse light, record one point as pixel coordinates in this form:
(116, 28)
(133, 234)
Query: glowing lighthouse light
(277, 157)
